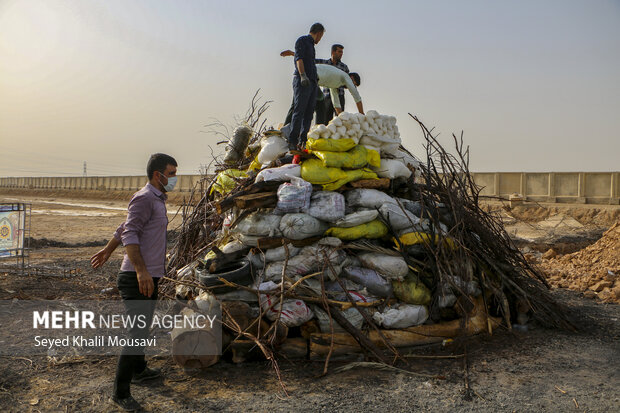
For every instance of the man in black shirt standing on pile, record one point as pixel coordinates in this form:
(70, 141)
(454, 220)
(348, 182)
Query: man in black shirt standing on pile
(304, 86)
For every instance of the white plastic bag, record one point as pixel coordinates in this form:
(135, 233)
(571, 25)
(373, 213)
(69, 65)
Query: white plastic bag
(392, 168)
(357, 218)
(301, 226)
(232, 246)
(401, 316)
(294, 196)
(249, 240)
(327, 206)
(259, 224)
(272, 147)
(206, 302)
(283, 173)
(398, 217)
(185, 274)
(368, 198)
(389, 266)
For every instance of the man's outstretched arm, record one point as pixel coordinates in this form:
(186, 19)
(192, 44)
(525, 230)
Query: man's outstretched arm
(360, 107)
(101, 257)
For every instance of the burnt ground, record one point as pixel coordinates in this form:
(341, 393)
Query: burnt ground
(540, 370)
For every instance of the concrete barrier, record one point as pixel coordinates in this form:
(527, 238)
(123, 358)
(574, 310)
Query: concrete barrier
(557, 187)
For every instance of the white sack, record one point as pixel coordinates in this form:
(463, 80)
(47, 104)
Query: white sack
(367, 198)
(259, 224)
(389, 266)
(327, 206)
(272, 147)
(283, 173)
(392, 168)
(294, 196)
(357, 218)
(279, 254)
(398, 217)
(294, 312)
(401, 316)
(351, 314)
(301, 226)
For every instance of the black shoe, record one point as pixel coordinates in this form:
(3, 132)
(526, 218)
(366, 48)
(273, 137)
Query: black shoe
(147, 374)
(129, 404)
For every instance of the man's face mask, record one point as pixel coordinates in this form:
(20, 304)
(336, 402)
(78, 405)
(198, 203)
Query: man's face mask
(172, 181)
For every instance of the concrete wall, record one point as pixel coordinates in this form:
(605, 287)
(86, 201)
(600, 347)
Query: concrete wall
(576, 187)
(99, 183)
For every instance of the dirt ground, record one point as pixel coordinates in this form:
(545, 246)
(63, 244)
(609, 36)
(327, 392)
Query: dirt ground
(538, 370)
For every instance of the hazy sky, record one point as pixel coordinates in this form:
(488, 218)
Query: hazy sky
(535, 85)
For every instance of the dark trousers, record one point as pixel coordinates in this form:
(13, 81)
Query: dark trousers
(320, 98)
(135, 304)
(304, 99)
(326, 112)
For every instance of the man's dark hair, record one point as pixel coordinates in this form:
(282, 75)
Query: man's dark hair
(158, 162)
(356, 78)
(317, 28)
(336, 47)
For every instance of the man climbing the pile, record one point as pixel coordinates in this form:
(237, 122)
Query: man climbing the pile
(144, 236)
(304, 86)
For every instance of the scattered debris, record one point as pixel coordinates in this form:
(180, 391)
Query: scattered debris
(592, 270)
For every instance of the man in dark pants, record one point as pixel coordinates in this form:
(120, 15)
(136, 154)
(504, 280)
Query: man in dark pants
(324, 107)
(304, 86)
(144, 236)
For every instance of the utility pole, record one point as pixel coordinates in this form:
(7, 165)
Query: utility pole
(85, 169)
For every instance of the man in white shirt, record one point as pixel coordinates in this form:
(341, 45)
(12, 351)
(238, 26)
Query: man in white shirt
(332, 78)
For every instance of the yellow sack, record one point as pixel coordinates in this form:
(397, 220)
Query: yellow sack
(315, 172)
(413, 238)
(355, 158)
(255, 165)
(372, 229)
(331, 145)
(225, 181)
(411, 290)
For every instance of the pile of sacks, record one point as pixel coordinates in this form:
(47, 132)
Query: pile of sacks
(322, 218)
(351, 147)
